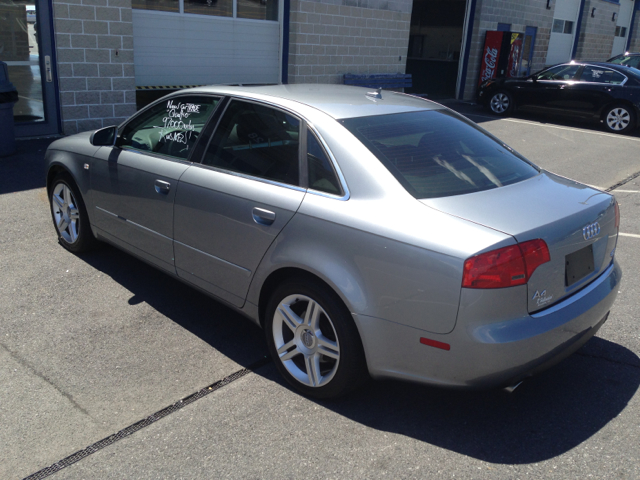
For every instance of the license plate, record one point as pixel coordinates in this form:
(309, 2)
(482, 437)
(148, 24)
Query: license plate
(578, 265)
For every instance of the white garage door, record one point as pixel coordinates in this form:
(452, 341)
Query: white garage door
(623, 23)
(565, 18)
(176, 48)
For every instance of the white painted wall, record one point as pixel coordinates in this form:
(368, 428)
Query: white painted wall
(623, 20)
(175, 49)
(561, 44)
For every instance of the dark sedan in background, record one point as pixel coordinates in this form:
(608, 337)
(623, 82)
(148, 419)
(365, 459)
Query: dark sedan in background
(629, 59)
(593, 91)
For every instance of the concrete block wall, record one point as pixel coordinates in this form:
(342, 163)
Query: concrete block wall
(94, 48)
(520, 15)
(329, 38)
(597, 32)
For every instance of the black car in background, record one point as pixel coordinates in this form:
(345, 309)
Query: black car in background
(629, 59)
(594, 91)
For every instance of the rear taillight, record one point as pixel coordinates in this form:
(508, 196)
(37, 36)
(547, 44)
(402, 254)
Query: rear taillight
(505, 267)
(617, 215)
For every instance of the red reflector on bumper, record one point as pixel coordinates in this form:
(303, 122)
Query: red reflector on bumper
(435, 343)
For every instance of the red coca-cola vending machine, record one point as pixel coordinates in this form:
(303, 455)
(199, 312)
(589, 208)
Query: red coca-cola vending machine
(501, 56)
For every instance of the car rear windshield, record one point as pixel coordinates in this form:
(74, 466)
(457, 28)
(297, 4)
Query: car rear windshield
(437, 153)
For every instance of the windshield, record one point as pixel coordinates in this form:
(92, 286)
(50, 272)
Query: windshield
(437, 153)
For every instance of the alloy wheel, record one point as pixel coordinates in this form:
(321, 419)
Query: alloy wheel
(618, 119)
(306, 341)
(65, 212)
(500, 103)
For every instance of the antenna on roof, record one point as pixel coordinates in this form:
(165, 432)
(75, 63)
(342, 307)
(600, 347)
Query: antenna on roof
(376, 94)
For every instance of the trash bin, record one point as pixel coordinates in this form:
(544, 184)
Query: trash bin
(8, 97)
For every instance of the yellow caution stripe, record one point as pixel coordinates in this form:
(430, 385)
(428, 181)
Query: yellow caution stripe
(165, 87)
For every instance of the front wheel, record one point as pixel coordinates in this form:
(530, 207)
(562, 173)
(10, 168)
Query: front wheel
(313, 340)
(501, 103)
(619, 119)
(70, 215)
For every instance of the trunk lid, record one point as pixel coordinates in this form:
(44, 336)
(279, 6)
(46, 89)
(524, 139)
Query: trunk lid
(576, 221)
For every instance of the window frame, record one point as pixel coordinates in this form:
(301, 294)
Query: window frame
(302, 149)
(234, 14)
(144, 110)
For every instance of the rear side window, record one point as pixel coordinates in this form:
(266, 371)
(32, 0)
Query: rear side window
(436, 154)
(258, 141)
(601, 75)
(169, 128)
(322, 176)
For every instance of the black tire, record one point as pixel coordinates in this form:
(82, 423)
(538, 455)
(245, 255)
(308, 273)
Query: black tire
(332, 331)
(619, 118)
(500, 103)
(69, 215)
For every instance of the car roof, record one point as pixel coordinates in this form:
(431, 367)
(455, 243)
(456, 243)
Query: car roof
(338, 101)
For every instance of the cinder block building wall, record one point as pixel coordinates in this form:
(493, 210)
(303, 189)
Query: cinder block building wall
(329, 38)
(94, 48)
(596, 33)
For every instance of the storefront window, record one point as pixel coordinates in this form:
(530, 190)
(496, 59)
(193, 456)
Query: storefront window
(162, 5)
(219, 8)
(258, 9)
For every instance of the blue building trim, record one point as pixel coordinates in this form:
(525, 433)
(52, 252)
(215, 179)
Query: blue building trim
(576, 39)
(467, 48)
(636, 5)
(285, 41)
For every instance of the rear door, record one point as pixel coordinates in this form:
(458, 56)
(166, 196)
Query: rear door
(597, 87)
(231, 207)
(134, 183)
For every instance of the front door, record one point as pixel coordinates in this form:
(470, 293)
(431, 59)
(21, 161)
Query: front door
(26, 45)
(133, 184)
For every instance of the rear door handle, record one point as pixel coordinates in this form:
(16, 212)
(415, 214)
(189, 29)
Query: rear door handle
(162, 187)
(263, 217)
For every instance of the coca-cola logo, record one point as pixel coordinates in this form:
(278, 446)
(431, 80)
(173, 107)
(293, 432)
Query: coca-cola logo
(490, 60)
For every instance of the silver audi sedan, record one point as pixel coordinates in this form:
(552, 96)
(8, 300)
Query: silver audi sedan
(368, 233)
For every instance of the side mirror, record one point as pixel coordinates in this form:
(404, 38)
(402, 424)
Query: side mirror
(534, 78)
(105, 137)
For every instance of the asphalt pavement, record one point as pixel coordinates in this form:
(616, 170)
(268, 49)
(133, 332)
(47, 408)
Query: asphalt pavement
(111, 369)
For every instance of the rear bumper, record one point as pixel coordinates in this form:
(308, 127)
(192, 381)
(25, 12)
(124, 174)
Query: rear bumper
(487, 353)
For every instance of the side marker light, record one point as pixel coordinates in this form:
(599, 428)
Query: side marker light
(435, 343)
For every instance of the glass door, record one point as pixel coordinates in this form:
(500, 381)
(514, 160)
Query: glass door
(26, 46)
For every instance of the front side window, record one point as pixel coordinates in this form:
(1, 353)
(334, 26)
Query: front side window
(436, 154)
(561, 72)
(256, 140)
(601, 75)
(170, 127)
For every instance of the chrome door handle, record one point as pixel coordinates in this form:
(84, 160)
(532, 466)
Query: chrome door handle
(162, 187)
(263, 217)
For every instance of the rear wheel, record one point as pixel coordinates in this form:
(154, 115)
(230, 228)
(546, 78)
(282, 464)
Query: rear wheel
(70, 215)
(619, 119)
(501, 103)
(313, 340)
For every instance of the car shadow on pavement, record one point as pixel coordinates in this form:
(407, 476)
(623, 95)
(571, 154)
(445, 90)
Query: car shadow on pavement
(225, 330)
(545, 417)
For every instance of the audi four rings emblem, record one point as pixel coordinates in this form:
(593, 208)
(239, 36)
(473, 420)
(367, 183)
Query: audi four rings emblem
(591, 231)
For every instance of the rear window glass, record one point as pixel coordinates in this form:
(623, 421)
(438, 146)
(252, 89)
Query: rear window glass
(436, 154)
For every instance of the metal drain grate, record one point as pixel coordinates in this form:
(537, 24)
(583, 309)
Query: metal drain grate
(125, 432)
(622, 182)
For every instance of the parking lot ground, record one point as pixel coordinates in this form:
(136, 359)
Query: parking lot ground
(92, 344)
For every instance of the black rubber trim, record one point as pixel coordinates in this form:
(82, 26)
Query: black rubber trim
(125, 432)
